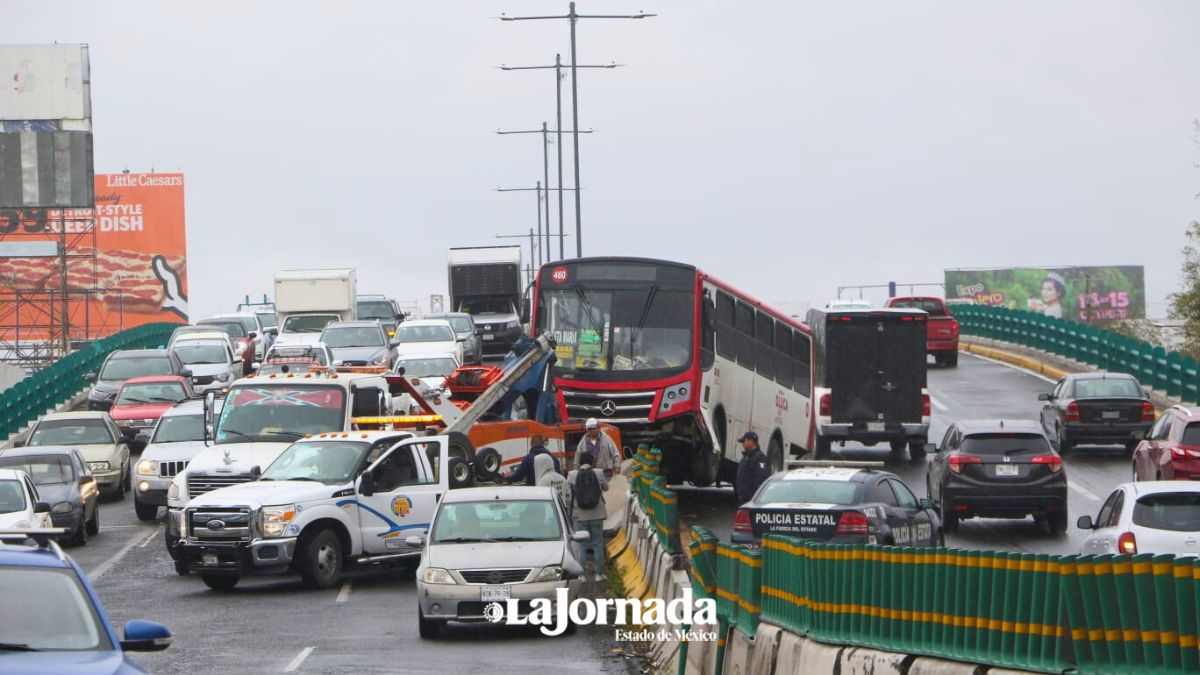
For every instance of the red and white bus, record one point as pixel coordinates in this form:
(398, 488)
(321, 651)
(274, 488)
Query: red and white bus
(675, 357)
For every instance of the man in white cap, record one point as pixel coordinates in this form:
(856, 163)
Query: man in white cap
(605, 452)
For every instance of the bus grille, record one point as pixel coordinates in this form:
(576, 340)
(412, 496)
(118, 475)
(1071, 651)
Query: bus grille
(616, 407)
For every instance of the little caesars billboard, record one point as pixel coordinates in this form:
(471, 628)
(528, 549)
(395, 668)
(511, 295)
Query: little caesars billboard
(1078, 293)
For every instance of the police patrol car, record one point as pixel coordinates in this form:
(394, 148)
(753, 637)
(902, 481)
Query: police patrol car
(838, 504)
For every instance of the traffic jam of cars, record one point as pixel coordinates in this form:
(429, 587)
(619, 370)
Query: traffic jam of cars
(329, 432)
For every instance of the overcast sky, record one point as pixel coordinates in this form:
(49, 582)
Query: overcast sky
(787, 147)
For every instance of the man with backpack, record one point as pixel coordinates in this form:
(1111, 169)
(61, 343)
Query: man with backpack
(587, 486)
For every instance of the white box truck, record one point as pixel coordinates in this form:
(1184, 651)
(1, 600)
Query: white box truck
(306, 300)
(485, 282)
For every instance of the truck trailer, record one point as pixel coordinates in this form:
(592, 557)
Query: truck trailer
(485, 282)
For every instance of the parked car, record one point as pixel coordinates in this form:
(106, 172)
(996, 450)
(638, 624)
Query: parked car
(941, 328)
(142, 400)
(427, 336)
(64, 482)
(1157, 517)
(21, 506)
(177, 437)
(95, 436)
(841, 506)
(1096, 408)
(295, 358)
(465, 330)
(489, 544)
(998, 469)
(53, 621)
(381, 309)
(357, 343)
(1171, 450)
(212, 362)
(124, 364)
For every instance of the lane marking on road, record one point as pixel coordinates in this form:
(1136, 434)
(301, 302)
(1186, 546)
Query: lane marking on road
(938, 404)
(149, 539)
(1083, 491)
(343, 594)
(1014, 367)
(299, 660)
(108, 564)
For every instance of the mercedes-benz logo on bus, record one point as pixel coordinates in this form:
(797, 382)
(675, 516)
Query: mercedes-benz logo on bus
(215, 525)
(607, 408)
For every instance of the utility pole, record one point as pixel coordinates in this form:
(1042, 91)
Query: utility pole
(540, 190)
(558, 78)
(573, 17)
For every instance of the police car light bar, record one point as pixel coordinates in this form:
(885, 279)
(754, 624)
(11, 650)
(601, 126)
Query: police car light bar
(836, 464)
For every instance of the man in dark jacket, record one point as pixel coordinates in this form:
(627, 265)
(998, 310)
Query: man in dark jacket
(753, 469)
(525, 470)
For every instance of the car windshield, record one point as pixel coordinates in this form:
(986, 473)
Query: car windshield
(151, 392)
(280, 413)
(504, 520)
(376, 309)
(191, 353)
(71, 432)
(248, 324)
(933, 307)
(231, 328)
(435, 367)
(424, 334)
(47, 609)
(307, 323)
(42, 469)
(633, 329)
(136, 366)
(353, 336)
(807, 492)
(1107, 388)
(332, 463)
(460, 324)
(1174, 511)
(1005, 444)
(12, 496)
(487, 306)
(178, 428)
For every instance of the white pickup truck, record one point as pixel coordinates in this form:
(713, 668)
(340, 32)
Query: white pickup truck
(327, 500)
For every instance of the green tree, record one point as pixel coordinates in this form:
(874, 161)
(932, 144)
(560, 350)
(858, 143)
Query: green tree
(1185, 305)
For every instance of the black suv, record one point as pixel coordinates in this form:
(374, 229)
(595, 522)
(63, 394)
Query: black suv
(124, 364)
(998, 469)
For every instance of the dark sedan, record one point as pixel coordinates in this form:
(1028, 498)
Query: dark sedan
(998, 469)
(63, 482)
(1096, 408)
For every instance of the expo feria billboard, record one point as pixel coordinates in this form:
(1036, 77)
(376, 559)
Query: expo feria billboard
(1078, 293)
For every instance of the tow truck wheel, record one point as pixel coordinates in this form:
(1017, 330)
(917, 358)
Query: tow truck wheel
(460, 473)
(220, 582)
(487, 464)
(321, 559)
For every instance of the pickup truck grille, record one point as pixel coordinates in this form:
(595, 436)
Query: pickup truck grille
(170, 469)
(494, 576)
(616, 407)
(218, 525)
(200, 484)
(202, 379)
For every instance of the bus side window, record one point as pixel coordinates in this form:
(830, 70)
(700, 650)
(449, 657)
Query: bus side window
(708, 332)
(801, 363)
(764, 356)
(745, 335)
(726, 331)
(783, 355)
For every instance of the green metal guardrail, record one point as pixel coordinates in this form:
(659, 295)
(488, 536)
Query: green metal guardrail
(1155, 367)
(30, 398)
(1039, 612)
(658, 501)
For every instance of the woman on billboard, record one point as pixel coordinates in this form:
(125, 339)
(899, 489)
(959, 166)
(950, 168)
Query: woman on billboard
(1054, 289)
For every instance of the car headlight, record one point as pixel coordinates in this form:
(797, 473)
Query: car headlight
(148, 467)
(273, 520)
(62, 507)
(225, 376)
(381, 360)
(549, 573)
(437, 575)
(98, 466)
(101, 395)
(512, 324)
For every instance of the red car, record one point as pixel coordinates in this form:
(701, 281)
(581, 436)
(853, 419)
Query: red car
(1171, 451)
(941, 338)
(142, 400)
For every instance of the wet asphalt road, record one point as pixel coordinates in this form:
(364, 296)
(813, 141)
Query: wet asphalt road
(977, 389)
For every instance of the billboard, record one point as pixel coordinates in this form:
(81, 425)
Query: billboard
(48, 83)
(1078, 293)
(129, 254)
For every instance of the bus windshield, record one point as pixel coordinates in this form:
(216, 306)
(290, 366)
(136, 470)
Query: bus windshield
(279, 413)
(645, 328)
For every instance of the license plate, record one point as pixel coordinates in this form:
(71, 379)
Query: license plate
(495, 593)
(1007, 470)
(1111, 414)
(489, 337)
(209, 559)
(875, 426)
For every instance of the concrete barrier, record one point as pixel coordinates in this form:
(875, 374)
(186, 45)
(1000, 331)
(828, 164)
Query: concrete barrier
(766, 645)
(739, 651)
(862, 661)
(788, 652)
(702, 656)
(926, 665)
(813, 657)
